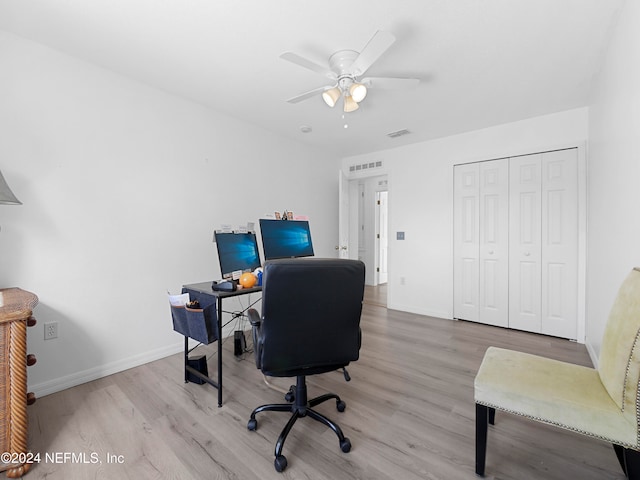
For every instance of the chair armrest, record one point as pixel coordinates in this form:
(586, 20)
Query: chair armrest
(254, 317)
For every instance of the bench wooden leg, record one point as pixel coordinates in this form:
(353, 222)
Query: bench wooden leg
(629, 461)
(482, 426)
(620, 454)
(632, 463)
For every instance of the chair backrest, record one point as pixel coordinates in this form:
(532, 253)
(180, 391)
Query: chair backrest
(619, 363)
(311, 311)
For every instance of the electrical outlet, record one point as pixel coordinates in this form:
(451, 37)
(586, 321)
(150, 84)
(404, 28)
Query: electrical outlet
(50, 330)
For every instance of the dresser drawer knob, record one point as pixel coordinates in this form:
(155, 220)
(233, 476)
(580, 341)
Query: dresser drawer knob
(31, 359)
(31, 321)
(31, 398)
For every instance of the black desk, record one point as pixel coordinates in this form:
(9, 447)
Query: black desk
(199, 289)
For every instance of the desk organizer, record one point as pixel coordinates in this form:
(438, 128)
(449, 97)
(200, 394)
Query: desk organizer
(197, 323)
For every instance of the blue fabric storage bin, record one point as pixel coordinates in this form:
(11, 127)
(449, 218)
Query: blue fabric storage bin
(179, 317)
(202, 324)
(197, 323)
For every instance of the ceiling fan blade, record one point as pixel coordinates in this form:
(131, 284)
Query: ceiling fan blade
(390, 83)
(379, 43)
(303, 62)
(309, 94)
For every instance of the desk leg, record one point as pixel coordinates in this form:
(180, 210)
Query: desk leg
(186, 358)
(219, 352)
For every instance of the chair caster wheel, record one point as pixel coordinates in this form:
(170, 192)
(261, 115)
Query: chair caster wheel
(252, 424)
(345, 445)
(341, 406)
(290, 395)
(280, 463)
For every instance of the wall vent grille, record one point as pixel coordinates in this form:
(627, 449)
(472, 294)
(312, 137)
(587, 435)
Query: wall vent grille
(365, 166)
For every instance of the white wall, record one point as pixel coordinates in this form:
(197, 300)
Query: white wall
(122, 187)
(614, 172)
(421, 200)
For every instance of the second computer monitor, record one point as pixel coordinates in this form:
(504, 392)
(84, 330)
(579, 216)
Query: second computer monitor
(237, 252)
(285, 238)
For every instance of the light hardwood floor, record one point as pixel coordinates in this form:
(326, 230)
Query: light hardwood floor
(376, 295)
(410, 415)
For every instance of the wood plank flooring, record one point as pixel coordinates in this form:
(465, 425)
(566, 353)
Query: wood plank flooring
(410, 415)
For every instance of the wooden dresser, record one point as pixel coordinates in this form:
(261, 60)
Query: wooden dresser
(16, 308)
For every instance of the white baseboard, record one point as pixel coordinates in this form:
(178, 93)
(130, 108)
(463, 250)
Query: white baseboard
(78, 378)
(419, 311)
(592, 353)
(84, 376)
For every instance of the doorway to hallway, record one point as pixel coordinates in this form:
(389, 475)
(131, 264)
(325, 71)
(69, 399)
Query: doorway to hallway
(363, 225)
(382, 237)
(370, 216)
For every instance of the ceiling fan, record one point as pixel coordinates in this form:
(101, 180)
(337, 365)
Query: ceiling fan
(345, 69)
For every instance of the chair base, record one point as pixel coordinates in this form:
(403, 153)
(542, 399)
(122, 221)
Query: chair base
(301, 407)
(629, 459)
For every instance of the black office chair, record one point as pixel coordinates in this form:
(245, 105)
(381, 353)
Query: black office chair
(310, 324)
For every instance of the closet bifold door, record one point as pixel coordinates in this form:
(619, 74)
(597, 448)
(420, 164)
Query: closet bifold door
(481, 242)
(494, 242)
(543, 248)
(559, 300)
(466, 241)
(516, 242)
(525, 242)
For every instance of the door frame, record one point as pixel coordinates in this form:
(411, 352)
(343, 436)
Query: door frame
(380, 276)
(348, 212)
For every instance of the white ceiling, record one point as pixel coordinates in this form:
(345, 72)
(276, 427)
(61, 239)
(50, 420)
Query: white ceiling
(481, 62)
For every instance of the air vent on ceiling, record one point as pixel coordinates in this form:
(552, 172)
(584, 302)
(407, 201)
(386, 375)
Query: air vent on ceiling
(399, 133)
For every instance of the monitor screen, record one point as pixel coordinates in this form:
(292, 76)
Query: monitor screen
(285, 238)
(237, 252)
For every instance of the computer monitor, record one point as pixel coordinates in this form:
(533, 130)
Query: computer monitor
(237, 252)
(285, 238)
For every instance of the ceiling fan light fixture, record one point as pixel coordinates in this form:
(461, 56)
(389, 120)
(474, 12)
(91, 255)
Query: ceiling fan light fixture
(350, 105)
(331, 96)
(358, 91)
